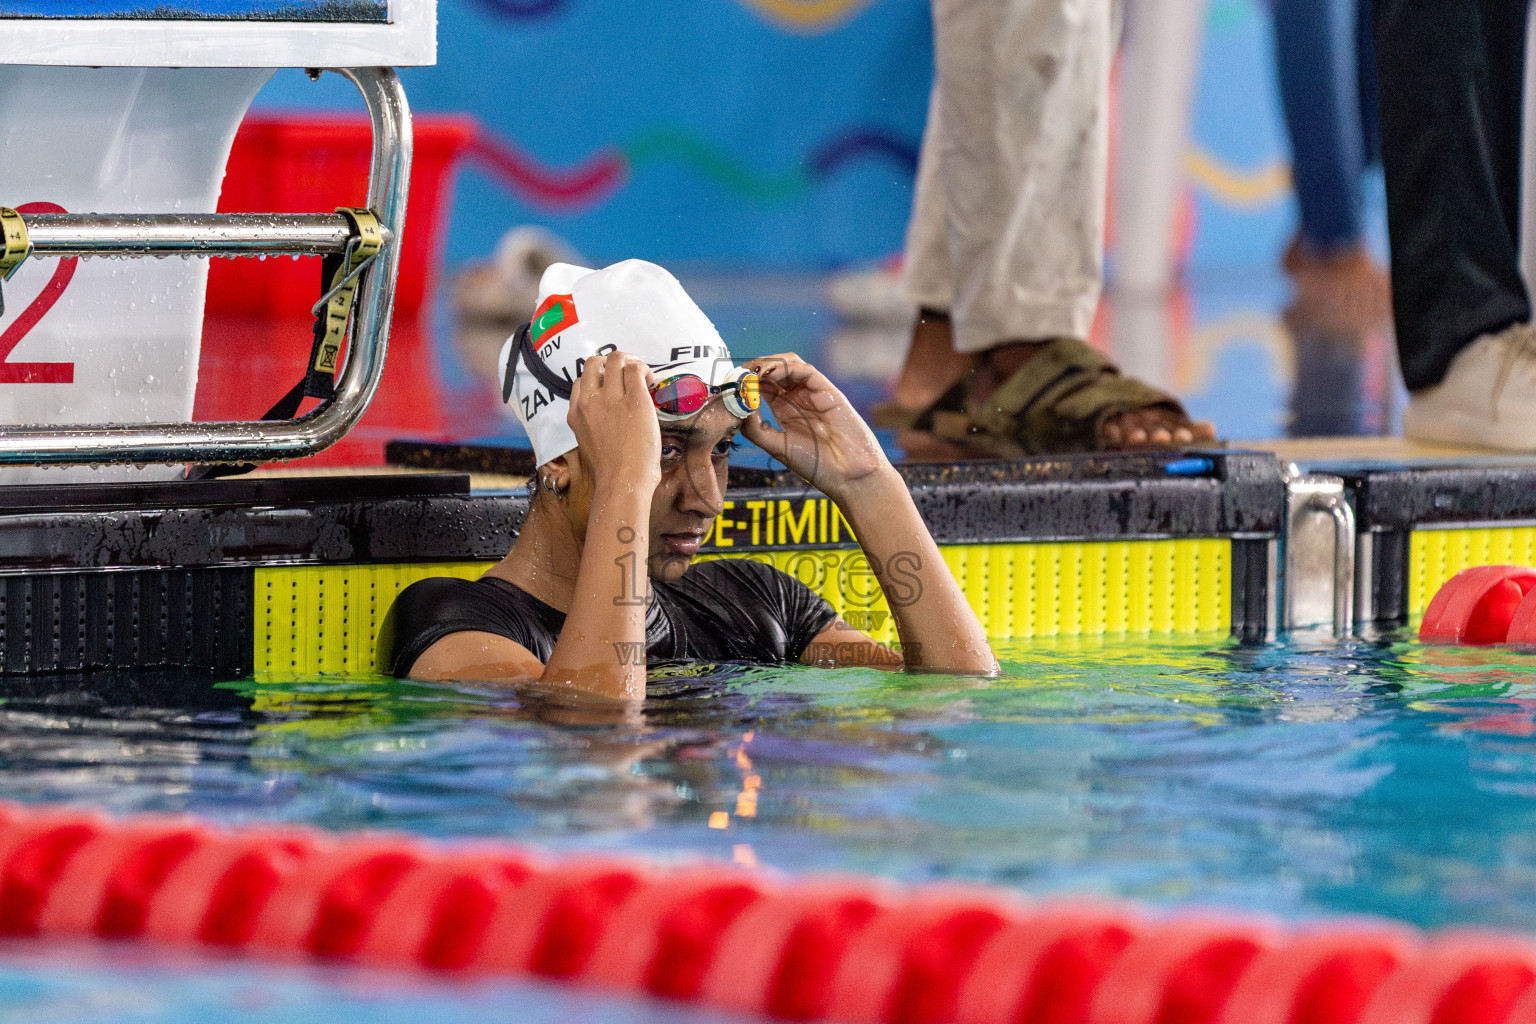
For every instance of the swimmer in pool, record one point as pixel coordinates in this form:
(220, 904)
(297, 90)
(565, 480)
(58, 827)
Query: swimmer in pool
(633, 405)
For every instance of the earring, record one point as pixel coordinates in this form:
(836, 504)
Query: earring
(548, 483)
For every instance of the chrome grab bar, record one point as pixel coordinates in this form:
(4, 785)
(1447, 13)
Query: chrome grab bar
(1311, 494)
(262, 441)
(1343, 562)
(197, 234)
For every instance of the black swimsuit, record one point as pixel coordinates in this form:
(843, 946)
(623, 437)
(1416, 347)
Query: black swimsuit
(724, 610)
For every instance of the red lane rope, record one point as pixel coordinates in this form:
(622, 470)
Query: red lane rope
(816, 949)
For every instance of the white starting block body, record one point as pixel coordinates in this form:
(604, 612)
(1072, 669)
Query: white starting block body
(105, 107)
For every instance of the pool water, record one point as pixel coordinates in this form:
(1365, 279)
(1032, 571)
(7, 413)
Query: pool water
(83, 985)
(1311, 777)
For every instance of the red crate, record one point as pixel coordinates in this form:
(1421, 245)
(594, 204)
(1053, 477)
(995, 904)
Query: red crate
(306, 164)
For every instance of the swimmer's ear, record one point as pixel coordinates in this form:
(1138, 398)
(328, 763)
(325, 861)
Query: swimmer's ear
(556, 474)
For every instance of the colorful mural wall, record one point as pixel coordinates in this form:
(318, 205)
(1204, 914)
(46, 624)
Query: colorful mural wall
(776, 134)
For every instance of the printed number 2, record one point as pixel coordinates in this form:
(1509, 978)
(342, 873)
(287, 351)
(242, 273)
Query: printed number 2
(38, 373)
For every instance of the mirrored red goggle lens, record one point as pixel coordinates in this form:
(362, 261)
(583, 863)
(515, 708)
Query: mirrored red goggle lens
(681, 395)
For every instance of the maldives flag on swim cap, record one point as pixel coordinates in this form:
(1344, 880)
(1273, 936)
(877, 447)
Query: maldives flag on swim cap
(554, 315)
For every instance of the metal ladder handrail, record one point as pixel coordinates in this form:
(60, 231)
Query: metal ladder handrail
(188, 234)
(249, 441)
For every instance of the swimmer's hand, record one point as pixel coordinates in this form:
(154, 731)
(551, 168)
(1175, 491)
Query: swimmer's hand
(825, 441)
(821, 437)
(614, 421)
(619, 447)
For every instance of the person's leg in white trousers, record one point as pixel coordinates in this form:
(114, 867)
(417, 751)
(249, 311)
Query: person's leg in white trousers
(1006, 237)
(1007, 230)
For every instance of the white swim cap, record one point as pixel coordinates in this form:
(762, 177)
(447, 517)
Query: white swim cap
(633, 306)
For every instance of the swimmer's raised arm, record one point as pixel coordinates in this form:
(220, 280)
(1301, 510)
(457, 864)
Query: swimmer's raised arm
(620, 444)
(619, 441)
(825, 441)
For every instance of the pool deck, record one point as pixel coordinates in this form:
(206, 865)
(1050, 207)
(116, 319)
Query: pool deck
(1310, 453)
(1318, 452)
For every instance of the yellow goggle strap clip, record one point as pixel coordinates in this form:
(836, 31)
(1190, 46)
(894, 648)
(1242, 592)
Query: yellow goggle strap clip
(17, 246)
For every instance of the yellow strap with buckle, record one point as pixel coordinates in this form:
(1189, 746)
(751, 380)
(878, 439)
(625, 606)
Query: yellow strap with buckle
(343, 285)
(18, 246)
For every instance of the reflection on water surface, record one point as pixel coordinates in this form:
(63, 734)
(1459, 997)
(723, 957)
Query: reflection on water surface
(1374, 776)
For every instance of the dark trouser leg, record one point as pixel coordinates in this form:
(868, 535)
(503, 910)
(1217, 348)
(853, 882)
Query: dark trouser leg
(1365, 70)
(1451, 75)
(1319, 90)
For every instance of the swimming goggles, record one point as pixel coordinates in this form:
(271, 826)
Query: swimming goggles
(683, 395)
(676, 398)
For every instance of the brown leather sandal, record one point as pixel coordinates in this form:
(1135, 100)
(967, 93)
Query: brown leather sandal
(1057, 402)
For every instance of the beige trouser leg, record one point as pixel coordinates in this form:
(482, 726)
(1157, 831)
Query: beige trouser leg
(1007, 229)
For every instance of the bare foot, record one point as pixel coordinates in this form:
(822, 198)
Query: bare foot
(1158, 425)
(933, 366)
(1342, 293)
